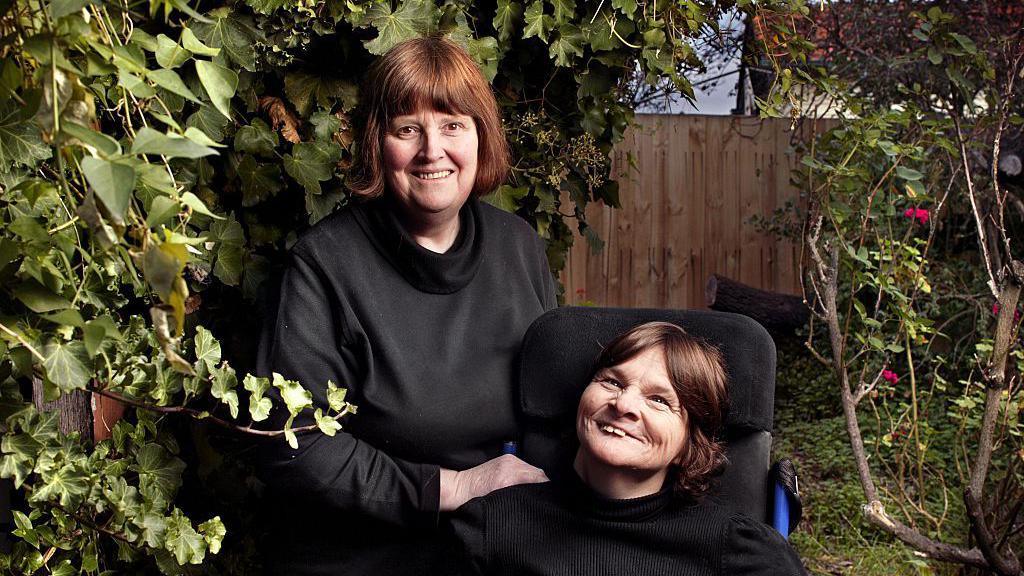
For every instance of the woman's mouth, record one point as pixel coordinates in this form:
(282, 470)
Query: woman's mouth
(434, 175)
(613, 430)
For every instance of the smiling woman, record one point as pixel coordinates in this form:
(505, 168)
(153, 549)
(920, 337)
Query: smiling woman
(634, 499)
(420, 317)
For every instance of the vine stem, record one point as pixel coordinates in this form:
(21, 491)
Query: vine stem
(203, 415)
(23, 342)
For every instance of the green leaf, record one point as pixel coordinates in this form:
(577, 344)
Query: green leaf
(161, 211)
(61, 8)
(223, 387)
(303, 88)
(39, 298)
(325, 125)
(187, 546)
(230, 252)
(295, 397)
(159, 472)
(170, 54)
(213, 532)
(192, 201)
(327, 424)
(413, 19)
(207, 348)
(484, 51)
(64, 569)
(537, 23)
(311, 163)
(266, 6)
(153, 526)
(908, 173)
(91, 138)
(259, 181)
(506, 197)
(259, 406)
(210, 121)
(220, 84)
(336, 396)
(67, 365)
(966, 43)
(506, 18)
(627, 7)
(20, 142)
(69, 317)
(170, 81)
(570, 42)
(257, 138)
(934, 56)
(564, 10)
(195, 45)
(150, 141)
(112, 182)
(92, 336)
(67, 485)
(231, 33)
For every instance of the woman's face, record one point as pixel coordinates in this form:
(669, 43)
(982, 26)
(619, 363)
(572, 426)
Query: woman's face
(630, 418)
(430, 163)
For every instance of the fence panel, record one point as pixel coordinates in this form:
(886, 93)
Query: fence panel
(688, 202)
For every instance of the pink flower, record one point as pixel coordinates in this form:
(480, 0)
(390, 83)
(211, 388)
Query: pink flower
(919, 214)
(995, 312)
(890, 376)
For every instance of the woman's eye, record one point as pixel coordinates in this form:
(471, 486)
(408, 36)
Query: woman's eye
(611, 382)
(406, 130)
(661, 401)
(453, 126)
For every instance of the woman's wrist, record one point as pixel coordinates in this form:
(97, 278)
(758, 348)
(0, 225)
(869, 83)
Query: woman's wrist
(449, 490)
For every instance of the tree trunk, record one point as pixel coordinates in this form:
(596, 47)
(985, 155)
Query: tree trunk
(75, 411)
(779, 313)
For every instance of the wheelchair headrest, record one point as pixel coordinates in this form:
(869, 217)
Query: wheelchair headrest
(560, 347)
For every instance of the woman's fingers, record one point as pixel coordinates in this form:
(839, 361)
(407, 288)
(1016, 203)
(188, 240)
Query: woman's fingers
(457, 488)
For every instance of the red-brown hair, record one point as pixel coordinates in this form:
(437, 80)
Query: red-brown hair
(698, 377)
(425, 73)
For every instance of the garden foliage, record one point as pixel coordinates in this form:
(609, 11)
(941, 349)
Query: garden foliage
(157, 159)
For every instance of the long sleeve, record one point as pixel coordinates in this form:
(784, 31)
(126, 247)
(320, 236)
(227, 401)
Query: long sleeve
(753, 548)
(343, 473)
(465, 540)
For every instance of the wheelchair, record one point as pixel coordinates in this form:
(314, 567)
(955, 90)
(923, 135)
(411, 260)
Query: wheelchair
(555, 366)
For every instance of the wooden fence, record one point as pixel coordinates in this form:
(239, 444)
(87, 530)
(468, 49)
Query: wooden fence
(688, 205)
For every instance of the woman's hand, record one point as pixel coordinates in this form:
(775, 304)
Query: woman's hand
(457, 488)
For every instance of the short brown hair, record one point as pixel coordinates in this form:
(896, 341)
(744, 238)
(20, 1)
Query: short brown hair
(427, 73)
(698, 377)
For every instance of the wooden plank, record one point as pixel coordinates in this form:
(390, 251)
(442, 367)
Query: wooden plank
(677, 240)
(748, 166)
(697, 145)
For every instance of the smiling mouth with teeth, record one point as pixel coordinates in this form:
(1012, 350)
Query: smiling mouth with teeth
(613, 430)
(434, 175)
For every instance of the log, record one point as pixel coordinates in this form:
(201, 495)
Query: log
(778, 313)
(75, 411)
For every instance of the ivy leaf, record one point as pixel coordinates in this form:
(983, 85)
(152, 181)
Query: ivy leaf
(20, 142)
(88, 137)
(311, 163)
(325, 125)
(220, 84)
(506, 197)
(195, 45)
(570, 41)
(484, 51)
(537, 23)
(336, 396)
(61, 8)
(39, 298)
(259, 406)
(159, 472)
(327, 424)
(256, 138)
(627, 7)
(213, 532)
(229, 237)
(150, 141)
(412, 20)
(223, 387)
(181, 540)
(506, 17)
(266, 6)
(170, 54)
(67, 485)
(295, 397)
(67, 365)
(232, 34)
(564, 10)
(153, 526)
(170, 81)
(259, 181)
(302, 88)
(112, 182)
(210, 121)
(207, 348)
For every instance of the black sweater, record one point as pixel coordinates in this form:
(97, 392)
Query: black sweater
(567, 529)
(426, 344)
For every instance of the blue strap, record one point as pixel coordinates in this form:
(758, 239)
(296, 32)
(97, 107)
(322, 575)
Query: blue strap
(780, 512)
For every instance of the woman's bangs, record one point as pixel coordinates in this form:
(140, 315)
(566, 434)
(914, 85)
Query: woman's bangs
(432, 87)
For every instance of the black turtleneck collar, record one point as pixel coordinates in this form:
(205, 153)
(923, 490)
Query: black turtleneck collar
(428, 271)
(587, 502)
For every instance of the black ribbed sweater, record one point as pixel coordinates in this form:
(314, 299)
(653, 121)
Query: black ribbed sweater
(426, 344)
(565, 528)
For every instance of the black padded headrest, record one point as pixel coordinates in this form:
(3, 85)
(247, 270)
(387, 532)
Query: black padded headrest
(560, 347)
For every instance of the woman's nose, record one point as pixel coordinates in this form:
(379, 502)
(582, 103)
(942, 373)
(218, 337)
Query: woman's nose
(626, 403)
(431, 147)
